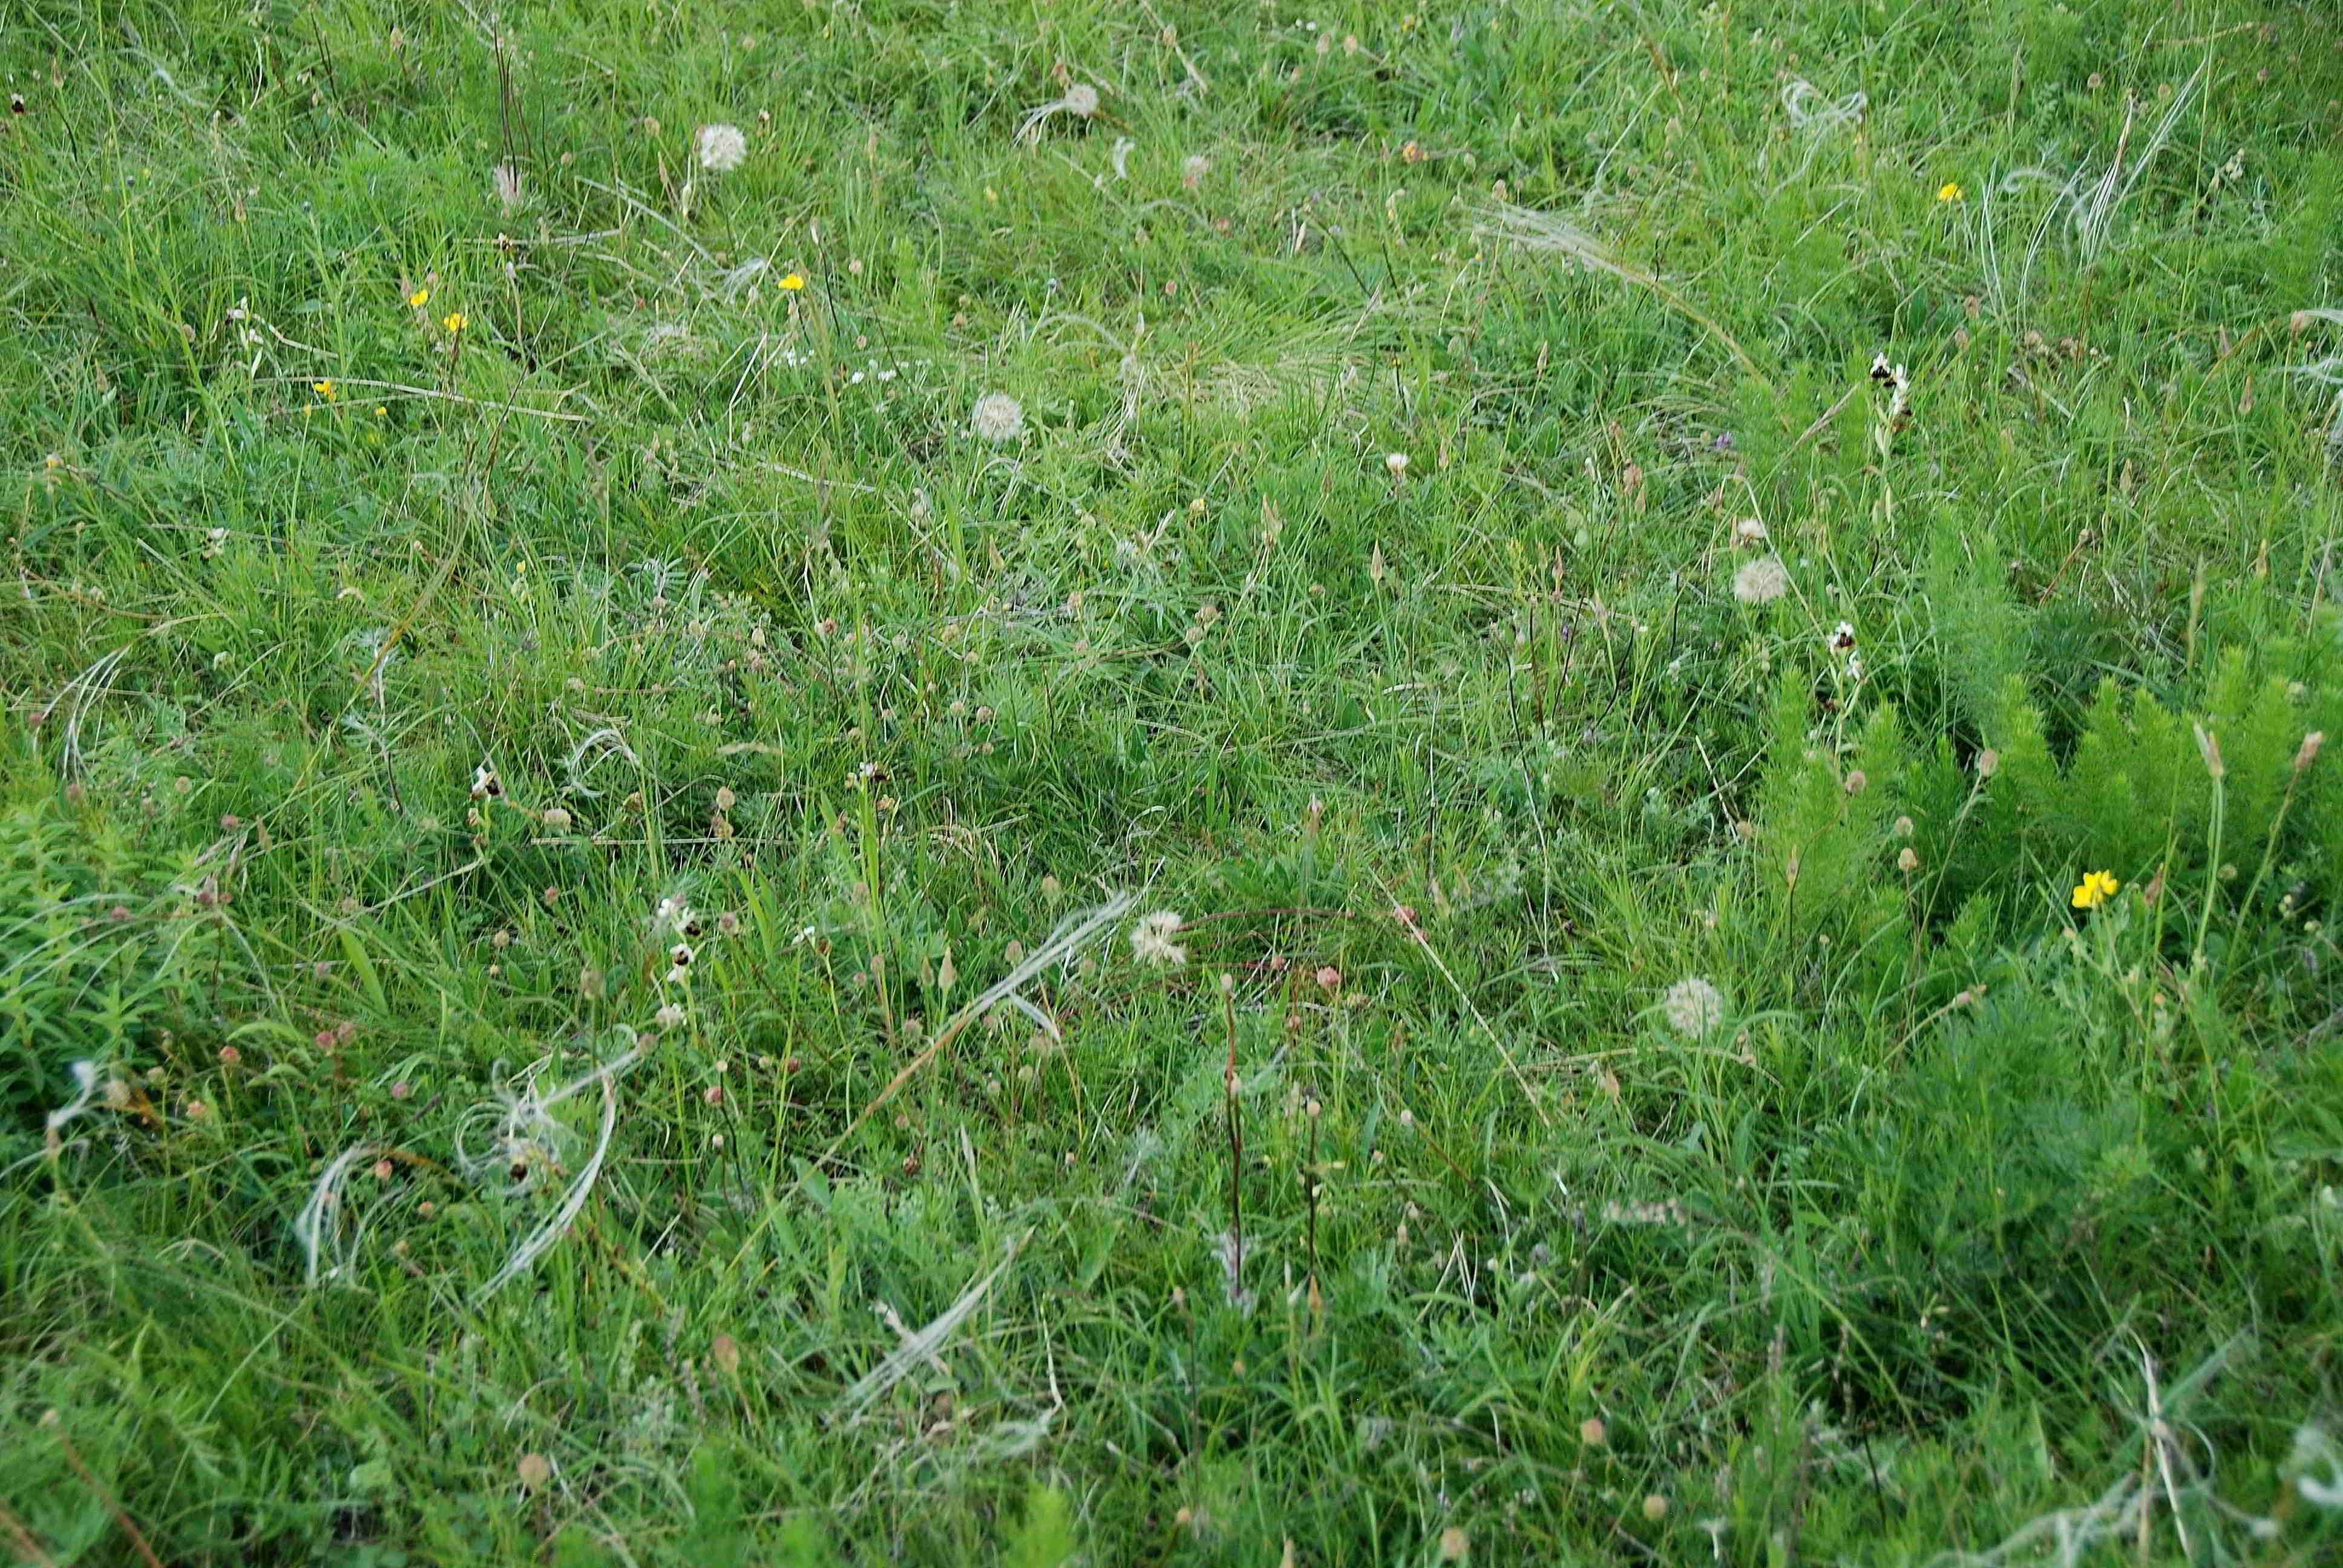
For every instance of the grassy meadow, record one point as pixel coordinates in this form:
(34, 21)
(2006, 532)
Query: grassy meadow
(1133, 782)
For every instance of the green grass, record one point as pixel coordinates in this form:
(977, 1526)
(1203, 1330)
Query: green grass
(369, 685)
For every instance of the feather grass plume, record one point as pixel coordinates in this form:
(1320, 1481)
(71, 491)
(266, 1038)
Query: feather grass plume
(1551, 234)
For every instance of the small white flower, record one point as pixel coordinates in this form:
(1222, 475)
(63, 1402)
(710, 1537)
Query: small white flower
(1082, 100)
(1762, 580)
(670, 1017)
(676, 916)
(721, 148)
(486, 785)
(1750, 531)
(1692, 1006)
(997, 418)
(1397, 463)
(1151, 939)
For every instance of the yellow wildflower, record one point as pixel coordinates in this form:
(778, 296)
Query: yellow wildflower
(793, 281)
(419, 298)
(454, 321)
(2096, 889)
(323, 389)
(1948, 191)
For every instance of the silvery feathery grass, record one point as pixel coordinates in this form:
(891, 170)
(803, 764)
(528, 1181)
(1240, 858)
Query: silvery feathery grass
(510, 1143)
(1079, 100)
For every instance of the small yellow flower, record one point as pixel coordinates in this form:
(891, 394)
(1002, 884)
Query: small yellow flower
(454, 321)
(419, 298)
(1948, 191)
(323, 389)
(794, 281)
(381, 410)
(2096, 889)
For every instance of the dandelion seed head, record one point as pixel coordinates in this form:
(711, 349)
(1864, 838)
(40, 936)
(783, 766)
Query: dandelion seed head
(1082, 100)
(1761, 581)
(997, 418)
(1151, 939)
(1692, 1006)
(721, 148)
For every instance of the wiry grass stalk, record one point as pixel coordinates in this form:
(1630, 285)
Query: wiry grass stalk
(1234, 1112)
